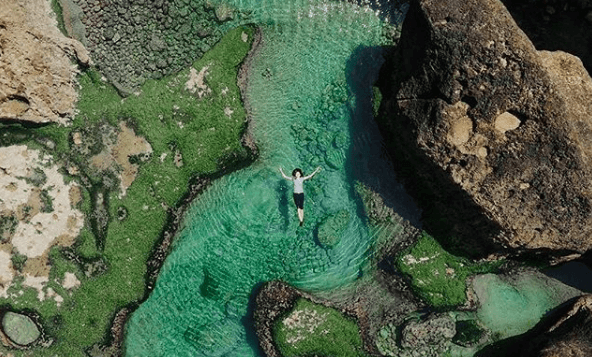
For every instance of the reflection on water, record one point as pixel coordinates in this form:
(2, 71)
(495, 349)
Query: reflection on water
(309, 90)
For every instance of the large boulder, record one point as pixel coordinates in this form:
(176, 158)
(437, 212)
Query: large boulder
(498, 134)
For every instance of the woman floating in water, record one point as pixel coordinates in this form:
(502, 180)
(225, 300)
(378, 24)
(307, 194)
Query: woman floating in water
(298, 178)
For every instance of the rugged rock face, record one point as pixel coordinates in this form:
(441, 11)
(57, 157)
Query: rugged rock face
(274, 299)
(37, 81)
(571, 335)
(132, 41)
(498, 134)
(566, 331)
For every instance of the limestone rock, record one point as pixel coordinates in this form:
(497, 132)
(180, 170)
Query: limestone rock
(20, 329)
(37, 211)
(498, 134)
(37, 78)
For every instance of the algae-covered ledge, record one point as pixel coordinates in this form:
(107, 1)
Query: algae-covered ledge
(128, 168)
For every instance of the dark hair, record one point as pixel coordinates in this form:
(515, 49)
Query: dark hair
(297, 170)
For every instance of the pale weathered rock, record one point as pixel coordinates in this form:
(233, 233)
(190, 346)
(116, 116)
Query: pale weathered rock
(20, 328)
(499, 135)
(37, 211)
(37, 77)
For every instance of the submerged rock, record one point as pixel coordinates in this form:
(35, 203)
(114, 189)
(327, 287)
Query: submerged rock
(513, 303)
(498, 134)
(19, 328)
(331, 229)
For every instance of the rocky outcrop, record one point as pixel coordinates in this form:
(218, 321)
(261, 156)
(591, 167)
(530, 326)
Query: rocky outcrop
(571, 335)
(565, 331)
(498, 134)
(374, 305)
(428, 337)
(134, 41)
(37, 78)
(274, 300)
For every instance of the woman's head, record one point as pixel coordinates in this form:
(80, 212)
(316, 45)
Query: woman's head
(297, 171)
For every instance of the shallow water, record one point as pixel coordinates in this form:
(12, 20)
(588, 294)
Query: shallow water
(310, 95)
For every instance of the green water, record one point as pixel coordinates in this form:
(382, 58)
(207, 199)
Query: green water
(310, 91)
(310, 96)
(509, 309)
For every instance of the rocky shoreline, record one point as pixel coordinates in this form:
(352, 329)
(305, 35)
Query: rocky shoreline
(243, 80)
(276, 298)
(114, 344)
(135, 41)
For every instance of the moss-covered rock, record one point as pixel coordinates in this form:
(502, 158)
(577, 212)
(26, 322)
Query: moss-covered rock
(312, 329)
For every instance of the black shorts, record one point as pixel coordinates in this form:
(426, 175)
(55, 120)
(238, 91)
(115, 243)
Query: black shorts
(299, 200)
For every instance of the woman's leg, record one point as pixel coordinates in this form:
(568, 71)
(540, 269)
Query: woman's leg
(299, 201)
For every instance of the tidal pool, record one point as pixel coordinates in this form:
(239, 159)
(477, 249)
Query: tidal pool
(310, 89)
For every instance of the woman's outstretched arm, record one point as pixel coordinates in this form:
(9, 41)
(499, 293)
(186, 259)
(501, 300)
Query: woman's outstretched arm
(284, 175)
(314, 172)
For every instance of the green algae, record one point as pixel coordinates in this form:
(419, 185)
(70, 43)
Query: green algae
(437, 276)
(112, 268)
(59, 12)
(313, 329)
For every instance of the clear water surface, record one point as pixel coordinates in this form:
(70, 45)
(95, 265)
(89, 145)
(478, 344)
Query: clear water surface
(310, 93)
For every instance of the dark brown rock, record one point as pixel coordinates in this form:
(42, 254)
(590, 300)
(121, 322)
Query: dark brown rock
(570, 336)
(566, 331)
(373, 304)
(274, 299)
(498, 134)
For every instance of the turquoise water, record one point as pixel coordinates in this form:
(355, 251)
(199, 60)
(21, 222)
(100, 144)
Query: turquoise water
(309, 91)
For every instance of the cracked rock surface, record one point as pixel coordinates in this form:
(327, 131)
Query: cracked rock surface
(499, 133)
(37, 77)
